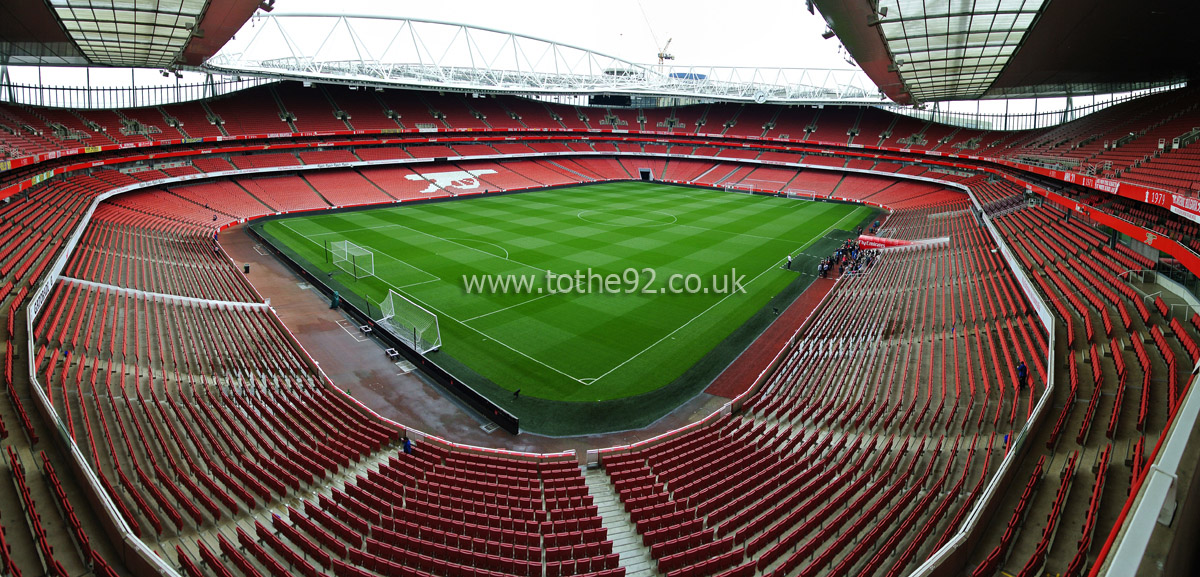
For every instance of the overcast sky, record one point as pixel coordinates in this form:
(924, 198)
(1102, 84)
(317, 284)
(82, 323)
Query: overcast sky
(770, 33)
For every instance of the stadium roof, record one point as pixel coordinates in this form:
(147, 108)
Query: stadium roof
(132, 33)
(393, 51)
(930, 50)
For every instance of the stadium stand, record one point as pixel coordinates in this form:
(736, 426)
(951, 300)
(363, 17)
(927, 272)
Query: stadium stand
(194, 405)
(408, 110)
(267, 160)
(454, 111)
(327, 156)
(284, 193)
(793, 123)
(212, 164)
(363, 110)
(150, 258)
(312, 110)
(395, 181)
(257, 111)
(345, 188)
(494, 114)
(814, 491)
(381, 153)
(193, 120)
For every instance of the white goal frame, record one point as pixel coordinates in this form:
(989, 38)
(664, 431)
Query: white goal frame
(802, 194)
(742, 188)
(410, 322)
(351, 258)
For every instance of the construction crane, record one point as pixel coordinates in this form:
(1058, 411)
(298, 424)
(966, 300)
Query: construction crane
(663, 55)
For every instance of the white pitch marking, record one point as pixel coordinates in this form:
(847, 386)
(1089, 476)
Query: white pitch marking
(748, 283)
(508, 307)
(451, 317)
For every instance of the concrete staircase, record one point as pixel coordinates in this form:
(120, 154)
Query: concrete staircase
(635, 557)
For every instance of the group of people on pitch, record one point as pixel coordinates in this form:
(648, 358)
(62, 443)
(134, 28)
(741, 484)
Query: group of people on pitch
(848, 257)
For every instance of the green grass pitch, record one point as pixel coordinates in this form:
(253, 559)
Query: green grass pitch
(572, 346)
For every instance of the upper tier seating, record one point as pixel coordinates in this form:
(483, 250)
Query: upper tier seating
(365, 110)
(1121, 141)
(253, 111)
(410, 111)
(195, 121)
(312, 109)
(494, 113)
(23, 134)
(456, 113)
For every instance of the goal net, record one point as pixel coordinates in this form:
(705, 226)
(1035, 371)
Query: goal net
(351, 258)
(801, 193)
(743, 188)
(410, 322)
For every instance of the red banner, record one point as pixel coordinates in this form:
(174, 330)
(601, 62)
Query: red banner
(872, 242)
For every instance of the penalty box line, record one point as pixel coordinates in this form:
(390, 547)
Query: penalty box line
(444, 239)
(310, 237)
(451, 317)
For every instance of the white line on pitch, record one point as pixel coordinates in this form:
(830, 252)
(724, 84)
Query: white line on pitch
(748, 283)
(405, 263)
(443, 239)
(508, 307)
(440, 312)
(419, 283)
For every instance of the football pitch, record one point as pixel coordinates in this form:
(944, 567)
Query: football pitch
(665, 274)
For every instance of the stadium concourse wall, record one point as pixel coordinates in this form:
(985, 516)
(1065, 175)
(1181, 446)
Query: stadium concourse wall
(138, 555)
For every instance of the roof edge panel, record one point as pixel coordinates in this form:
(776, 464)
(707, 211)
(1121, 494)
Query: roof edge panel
(220, 21)
(851, 21)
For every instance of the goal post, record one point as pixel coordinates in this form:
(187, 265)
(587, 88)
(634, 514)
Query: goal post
(410, 322)
(350, 258)
(742, 188)
(800, 193)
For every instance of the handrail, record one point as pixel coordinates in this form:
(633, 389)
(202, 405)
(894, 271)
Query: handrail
(1019, 444)
(110, 511)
